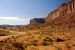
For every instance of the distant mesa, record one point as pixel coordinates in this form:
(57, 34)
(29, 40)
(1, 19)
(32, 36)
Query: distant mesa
(37, 21)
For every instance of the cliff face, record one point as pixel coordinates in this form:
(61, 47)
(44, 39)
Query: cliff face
(64, 14)
(64, 9)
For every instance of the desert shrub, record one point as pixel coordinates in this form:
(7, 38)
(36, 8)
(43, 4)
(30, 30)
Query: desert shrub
(18, 45)
(2, 34)
(47, 41)
(1, 41)
(59, 40)
(34, 42)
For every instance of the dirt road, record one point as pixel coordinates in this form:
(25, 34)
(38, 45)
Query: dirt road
(13, 33)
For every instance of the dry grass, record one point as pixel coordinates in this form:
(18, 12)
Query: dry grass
(57, 40)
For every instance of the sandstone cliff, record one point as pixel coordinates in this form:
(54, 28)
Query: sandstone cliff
(63, 15)
(64, 9)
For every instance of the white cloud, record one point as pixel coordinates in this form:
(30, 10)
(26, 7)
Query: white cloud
(14, 20)
(11, 18)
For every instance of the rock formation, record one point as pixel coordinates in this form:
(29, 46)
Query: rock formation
(63, 10)
(56, 16)
(37, 21)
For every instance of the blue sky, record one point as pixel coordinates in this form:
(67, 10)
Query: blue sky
(17, 12)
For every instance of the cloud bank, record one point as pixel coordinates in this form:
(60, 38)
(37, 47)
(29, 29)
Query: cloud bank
(14, 20)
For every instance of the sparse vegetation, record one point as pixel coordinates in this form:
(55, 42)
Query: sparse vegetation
(59, 34)
(37, 40)
(18, 45)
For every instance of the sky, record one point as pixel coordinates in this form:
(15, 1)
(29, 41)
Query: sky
(19, 12)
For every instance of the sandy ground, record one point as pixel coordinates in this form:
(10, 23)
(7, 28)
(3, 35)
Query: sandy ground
(13, 33)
